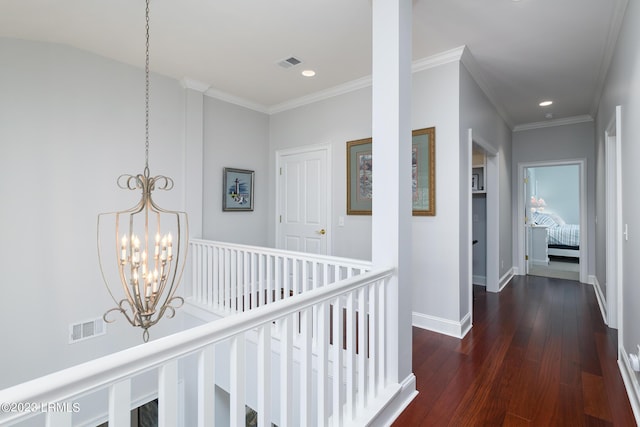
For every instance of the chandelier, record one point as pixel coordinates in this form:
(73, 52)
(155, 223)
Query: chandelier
(149, 245)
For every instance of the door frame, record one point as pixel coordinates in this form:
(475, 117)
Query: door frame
(326, 150)
(613, 184)
(492, 185)
(520, 244)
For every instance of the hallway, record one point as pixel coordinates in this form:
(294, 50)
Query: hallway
(539, 354)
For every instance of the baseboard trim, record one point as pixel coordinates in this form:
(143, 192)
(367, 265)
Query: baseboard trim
(506, 278)
(479, 280)
(630, 382)
(387, 414)
(602, 302)
(442, 326)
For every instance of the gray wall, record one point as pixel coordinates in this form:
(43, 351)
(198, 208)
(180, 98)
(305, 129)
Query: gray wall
(623, 88)
(235, 137)
(70, 124)
(478, 113)
(566, 142)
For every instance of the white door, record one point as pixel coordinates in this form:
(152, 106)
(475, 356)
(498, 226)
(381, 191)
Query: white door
(303, 205)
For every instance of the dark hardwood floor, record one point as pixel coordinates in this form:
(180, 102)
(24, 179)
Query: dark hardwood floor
(538, 354)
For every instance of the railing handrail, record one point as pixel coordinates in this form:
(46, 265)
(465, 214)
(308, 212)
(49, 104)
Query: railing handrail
(98, 373)
(287, 253)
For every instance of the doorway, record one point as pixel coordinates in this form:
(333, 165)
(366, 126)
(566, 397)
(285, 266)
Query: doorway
(303, 199)
(553, 235)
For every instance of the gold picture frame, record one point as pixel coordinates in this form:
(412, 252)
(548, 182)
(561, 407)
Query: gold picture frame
(423, 167)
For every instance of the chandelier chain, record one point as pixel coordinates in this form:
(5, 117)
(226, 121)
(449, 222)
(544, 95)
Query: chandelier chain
(146, 94)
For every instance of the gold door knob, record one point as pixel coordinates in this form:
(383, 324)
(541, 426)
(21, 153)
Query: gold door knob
(323, 231)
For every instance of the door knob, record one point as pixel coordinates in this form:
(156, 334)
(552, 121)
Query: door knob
(323, 231)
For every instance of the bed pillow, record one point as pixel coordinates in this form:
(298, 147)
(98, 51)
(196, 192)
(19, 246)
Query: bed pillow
(544, 219)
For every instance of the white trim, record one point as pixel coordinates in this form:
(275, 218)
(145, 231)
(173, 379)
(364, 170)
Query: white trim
(555, 122)
(232, 99)
(442, 58)
(188, 83)
(348, 87)
(506, 278)
(602, 302)
(442, 326)
(613, 226)
(615, 24)
(396, 404)
(630, 380)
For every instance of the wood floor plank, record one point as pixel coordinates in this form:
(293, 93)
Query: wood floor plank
(538, 354)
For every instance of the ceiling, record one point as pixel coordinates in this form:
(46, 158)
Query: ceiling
(525, 51)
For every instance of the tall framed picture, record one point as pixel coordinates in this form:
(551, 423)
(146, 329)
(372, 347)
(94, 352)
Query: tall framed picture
(423, 174)
(237, 190)
(359, 183)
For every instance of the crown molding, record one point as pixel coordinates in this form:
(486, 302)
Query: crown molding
(196, 85)
(322, 95)
(474, 69)
(232, 99)
(436, 60)
(555, 122)
(452, 55)
(615, 25)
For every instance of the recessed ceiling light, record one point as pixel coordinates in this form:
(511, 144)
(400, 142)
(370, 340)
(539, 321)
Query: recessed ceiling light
(546, 103)
(308, 73)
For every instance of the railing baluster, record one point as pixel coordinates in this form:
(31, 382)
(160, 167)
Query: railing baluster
(351, 356)
(120, 403)
(264, 375)
(322, 343)
(337, 363)
(218, 296)
(197, 285)
(206, 386)
(286, 372)
(58, 418)
(382, 341)
(362, 349)
(168, 394)
(306, 367)
(372, 333)
(237, 380)
(267, 296)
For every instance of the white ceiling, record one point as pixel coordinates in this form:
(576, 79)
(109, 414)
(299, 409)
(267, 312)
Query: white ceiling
(526, 51)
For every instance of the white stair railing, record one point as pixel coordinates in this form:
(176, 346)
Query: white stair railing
(341, 377)
(230, 278)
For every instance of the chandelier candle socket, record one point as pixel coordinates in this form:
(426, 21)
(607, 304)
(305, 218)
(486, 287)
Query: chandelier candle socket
(150, 245)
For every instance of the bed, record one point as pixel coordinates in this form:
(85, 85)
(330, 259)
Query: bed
(564, 239)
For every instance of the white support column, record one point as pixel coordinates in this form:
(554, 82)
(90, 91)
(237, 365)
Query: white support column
(391, 225)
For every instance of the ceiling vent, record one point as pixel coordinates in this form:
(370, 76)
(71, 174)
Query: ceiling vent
(289, 62)
(87, 329)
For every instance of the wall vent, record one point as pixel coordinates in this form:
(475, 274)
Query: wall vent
(289, 62)
(86, 329)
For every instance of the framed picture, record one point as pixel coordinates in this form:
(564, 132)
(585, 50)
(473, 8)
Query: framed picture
(237, 190)
(359, 184)
(423, 166)
(475, 178)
